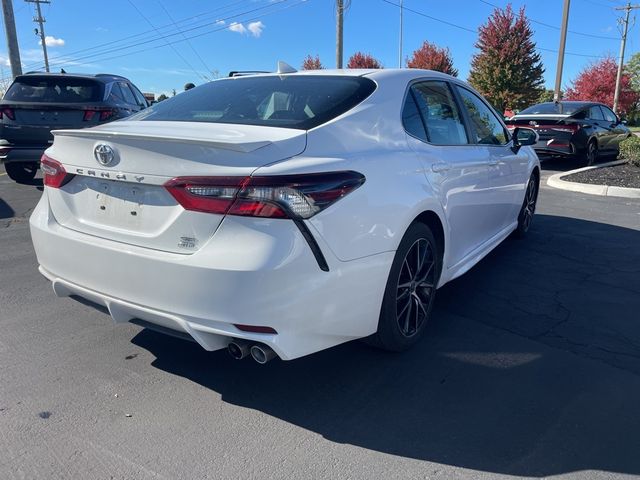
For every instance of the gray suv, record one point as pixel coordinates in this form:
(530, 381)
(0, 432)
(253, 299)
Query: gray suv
(37, 103)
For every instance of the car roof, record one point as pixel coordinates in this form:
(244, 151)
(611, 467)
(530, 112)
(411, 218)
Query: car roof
(374, 73)
(104, 77)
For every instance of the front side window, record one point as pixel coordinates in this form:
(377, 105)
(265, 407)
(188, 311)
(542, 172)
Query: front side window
(440, 113)
(488, 129)
(301, 101)
(609, 115)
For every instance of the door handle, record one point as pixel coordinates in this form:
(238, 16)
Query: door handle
(440, 167)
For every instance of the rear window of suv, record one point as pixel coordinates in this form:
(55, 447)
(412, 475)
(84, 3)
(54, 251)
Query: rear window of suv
(45, 89)
(300, 102)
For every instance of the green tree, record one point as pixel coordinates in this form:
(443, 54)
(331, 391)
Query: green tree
(633, 69)
(507, 70)
(161, 97)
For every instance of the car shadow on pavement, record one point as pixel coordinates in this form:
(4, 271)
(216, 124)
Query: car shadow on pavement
(5, 210)
(530, 366)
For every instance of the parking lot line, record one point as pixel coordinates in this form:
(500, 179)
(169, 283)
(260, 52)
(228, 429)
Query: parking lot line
(1, 174)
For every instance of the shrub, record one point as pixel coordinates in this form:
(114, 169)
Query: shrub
(630, 150)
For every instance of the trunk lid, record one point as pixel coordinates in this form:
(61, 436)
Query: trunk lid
(125, 200)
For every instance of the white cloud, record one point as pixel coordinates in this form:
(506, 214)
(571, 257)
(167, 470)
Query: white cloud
(220, 22)
(52, 41)
(256, 28)
(237, 27)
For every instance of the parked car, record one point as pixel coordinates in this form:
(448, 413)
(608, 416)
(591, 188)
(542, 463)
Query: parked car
(36, 103)
(583, 130)
(282, 214)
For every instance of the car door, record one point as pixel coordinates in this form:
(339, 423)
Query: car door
(456, 170)
(617, 130)
(600, 128)
(508, 169)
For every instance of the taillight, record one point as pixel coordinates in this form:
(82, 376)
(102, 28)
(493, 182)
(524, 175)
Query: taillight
(88, 115)
(7, 112)
(284, 196)
(104, 115)
(55, 175)
(571, 128)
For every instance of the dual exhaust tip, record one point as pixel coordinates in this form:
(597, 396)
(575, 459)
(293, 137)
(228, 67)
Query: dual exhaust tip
(240, 349)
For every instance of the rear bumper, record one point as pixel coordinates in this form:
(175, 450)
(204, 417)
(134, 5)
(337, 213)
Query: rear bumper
(15, 154)
(251, 272)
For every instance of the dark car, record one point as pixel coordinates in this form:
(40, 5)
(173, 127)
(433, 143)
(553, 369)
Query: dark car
(585, 130)
(37, 103)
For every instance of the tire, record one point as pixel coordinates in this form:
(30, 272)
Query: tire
(408, 297)
(528, 209)
(591, 157)
(21, 172)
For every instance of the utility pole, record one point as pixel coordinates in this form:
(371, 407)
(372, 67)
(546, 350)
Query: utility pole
(12, 40)
(400, 47)
(623, 44)
(339, 21)
(563, 41)
(41, 21)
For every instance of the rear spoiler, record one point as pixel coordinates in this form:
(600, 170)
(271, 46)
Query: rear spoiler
(243, 147)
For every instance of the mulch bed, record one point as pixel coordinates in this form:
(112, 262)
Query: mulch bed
(624, 175)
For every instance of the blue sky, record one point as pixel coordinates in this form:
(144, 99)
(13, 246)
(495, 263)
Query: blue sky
(254, 34)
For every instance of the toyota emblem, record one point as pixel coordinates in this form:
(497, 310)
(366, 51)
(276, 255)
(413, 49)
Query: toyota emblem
(104, 154)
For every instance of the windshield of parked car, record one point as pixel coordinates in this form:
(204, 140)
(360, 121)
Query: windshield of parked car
(300, 102)
(49, 89)
(551, 108)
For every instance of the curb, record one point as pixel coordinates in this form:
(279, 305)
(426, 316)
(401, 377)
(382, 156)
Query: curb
(556, 181)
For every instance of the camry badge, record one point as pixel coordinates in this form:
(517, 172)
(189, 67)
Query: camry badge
(104, 154)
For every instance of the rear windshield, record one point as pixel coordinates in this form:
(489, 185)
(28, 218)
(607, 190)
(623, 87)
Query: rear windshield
(301, 102)
(552, 109)
(54, 90)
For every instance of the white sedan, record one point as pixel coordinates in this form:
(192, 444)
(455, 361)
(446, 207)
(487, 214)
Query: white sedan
(282, 214)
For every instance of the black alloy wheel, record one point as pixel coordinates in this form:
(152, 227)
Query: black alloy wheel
(410, 291)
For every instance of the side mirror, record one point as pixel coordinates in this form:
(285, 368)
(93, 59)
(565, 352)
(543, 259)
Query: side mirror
(522, 137)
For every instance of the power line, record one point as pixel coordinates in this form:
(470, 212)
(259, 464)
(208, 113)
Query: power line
(200, 16)
(167, 43)
(538, 22)
(286, 7)
(188, 42)
(476, 31)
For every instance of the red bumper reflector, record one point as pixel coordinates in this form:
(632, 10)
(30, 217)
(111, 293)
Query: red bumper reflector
(254, 328)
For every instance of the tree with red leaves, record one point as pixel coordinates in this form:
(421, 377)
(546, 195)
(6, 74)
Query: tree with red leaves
(363, 60)
(597, 83)
(507, 70)
(431, 57)
(312, 63)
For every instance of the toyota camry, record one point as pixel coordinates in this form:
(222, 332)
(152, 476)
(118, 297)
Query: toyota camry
(282, 214)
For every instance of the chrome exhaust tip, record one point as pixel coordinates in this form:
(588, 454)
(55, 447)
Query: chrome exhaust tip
(238, 349)
(262, 354)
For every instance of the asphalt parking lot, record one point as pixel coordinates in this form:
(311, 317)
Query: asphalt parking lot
(531, 369)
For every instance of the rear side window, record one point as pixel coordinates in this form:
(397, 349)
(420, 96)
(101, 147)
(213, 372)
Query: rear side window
(54, 89)
(488, 129)
(439, 113)
(412, 120)
(301, 102)
(595, 113)
(128, 94)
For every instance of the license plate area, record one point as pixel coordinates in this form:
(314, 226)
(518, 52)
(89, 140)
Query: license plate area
(118, 203)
